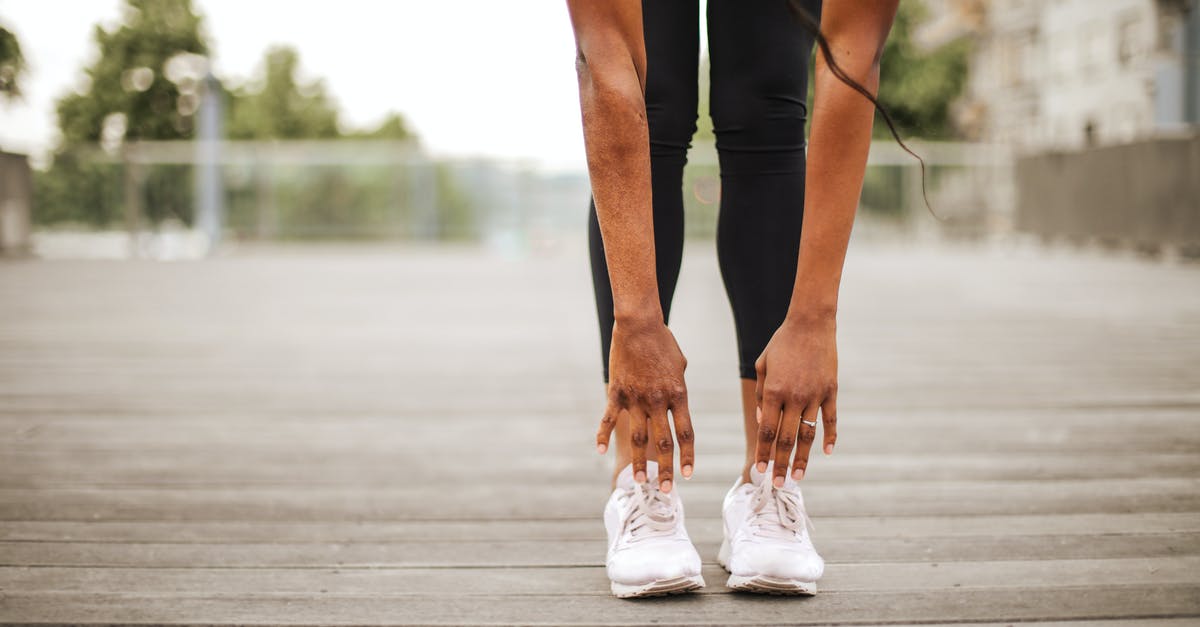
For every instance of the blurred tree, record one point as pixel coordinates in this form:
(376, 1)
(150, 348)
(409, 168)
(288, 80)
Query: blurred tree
(919, 86)
(393, 126)
(128, 95)
(12, 64)
(280, 107)
(321, 201)
(127, 79)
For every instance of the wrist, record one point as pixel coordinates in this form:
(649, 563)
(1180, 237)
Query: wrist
(813, 313)
(637, 309)
(639, 317)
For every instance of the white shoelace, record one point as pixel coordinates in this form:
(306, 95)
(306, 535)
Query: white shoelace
(650, 513)
(776, 513)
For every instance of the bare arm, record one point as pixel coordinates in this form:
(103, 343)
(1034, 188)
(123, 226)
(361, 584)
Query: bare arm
(837, 159)
(797, 372)
(645, 365)
(611, 62)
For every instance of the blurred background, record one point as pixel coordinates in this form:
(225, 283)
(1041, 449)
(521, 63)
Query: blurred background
(171, 128)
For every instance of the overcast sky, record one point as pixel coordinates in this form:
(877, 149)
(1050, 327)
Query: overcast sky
(474, 77)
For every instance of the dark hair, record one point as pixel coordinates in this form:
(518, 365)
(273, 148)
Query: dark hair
(813, 27)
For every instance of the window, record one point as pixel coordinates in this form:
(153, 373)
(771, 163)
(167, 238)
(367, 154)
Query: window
(1129, 39)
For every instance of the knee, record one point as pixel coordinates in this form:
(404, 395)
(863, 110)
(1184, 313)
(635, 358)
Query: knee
(671, 114)
(767, 109)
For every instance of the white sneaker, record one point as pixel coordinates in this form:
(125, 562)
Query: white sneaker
(649, 552)
(767, 547)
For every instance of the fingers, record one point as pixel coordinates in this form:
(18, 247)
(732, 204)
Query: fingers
(664, 447)
(829, 416)
(768, 429)
(760, 369)
(637, 439)
(808, 432)
(607, 424)
(685, 436)
(785, 442)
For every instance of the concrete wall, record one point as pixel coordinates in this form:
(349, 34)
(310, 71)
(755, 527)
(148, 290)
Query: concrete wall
(16, 203)
(1144, 193)
(1070, 74)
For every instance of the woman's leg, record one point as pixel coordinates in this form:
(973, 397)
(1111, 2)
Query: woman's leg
(672, 33)
(759, 56)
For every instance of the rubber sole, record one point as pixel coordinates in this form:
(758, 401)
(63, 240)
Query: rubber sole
(763, 584)
(661, 588)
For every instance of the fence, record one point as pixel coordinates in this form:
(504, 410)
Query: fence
(384, 189)
(359, 189)
(970, 190)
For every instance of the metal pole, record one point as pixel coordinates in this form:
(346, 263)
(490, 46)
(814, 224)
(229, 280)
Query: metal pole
(1191, 63)
(133, 197)
(210, 194)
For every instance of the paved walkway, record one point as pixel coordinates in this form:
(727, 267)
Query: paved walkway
(362, 436)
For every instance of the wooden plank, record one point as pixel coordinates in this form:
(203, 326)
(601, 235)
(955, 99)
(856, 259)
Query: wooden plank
(573, 552)
(1097, 420)
(541, 501)
(346, 532)
(1104, 622)
(1009, 604)
(1077, 430)
(197, 468)
(590, 580)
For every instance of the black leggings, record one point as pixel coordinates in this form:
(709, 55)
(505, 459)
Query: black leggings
(759, 57)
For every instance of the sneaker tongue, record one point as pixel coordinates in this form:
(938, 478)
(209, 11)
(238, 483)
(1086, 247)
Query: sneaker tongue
(625, 478)
(757, 478)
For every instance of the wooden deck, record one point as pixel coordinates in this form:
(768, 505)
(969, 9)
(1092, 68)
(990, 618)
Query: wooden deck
(398, 435)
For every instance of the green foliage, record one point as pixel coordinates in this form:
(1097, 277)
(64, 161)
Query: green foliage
(12, 64)
(127, 81)
(281, 107)
(153, 32)
(704, 125)
(456, 218)
(919, 87)
(393, 127)
(78, 189)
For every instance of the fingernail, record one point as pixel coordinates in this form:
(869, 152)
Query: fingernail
(666, 486)
(829, 449)
(758, 415)
(687, 472)
(601, 448)
(640, 476)
(762, 466)
(778, 482)
(797, 474)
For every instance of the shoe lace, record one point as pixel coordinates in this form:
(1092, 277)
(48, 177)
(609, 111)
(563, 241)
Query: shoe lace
(650, 514)
(777, 513)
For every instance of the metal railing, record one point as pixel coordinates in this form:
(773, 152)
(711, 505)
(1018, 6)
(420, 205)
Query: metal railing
(352, 189)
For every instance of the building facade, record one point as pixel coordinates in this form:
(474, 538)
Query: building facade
(1069, 74)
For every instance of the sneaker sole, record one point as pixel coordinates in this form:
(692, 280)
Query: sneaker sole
(763, 584)
(660, 588)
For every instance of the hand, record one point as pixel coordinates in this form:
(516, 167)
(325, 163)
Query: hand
(645, 382)
(797, 374)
